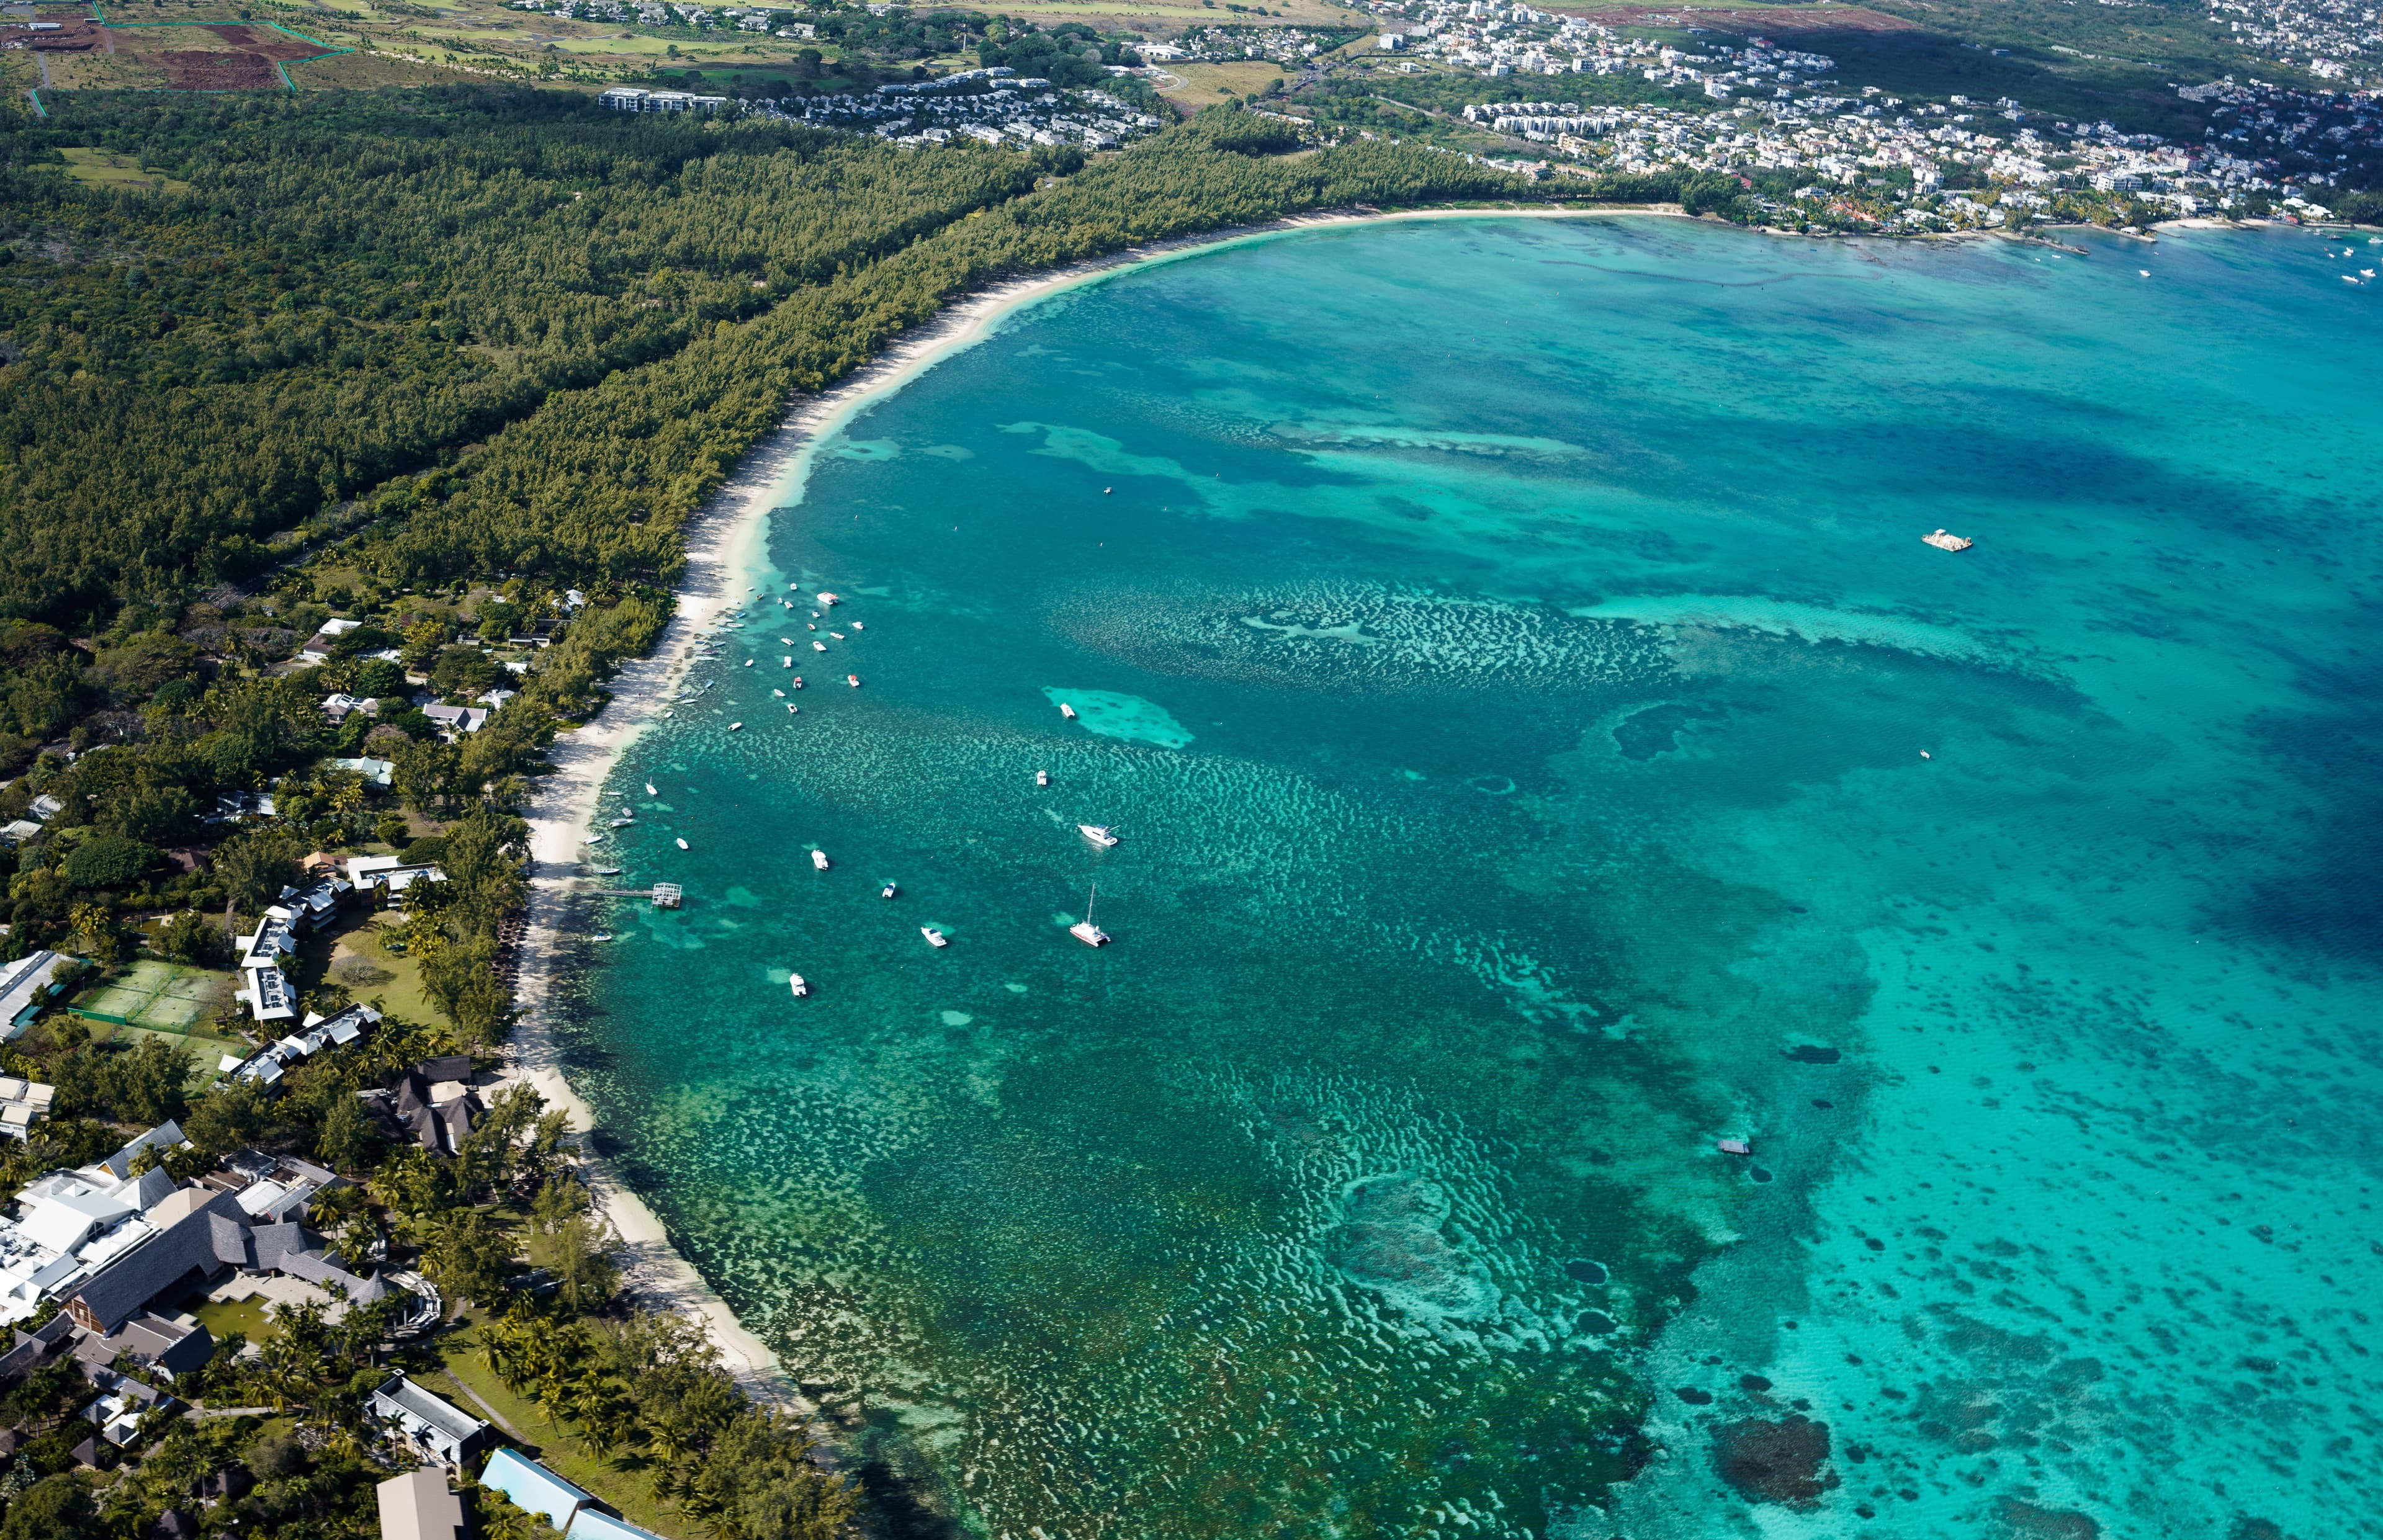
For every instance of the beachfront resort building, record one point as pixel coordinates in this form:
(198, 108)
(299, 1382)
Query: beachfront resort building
(266, 1066)
(433, 1430)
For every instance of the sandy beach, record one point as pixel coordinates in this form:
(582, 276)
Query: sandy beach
(725, 561)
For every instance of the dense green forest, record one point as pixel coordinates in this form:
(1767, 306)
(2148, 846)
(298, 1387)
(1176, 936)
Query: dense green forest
(455, 366)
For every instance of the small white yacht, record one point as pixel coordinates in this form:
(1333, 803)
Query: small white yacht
(818, 646)
(1067, 710)
(819, 860)
(608, 871)
(837, 634)
(935, 937)
(886, 892)
(1099, 833)
(1084, 930)
(798, 678)
(735, 727)
(787, 661)
(683, 844)
(857, 626)
(853, 680)
(650, 789)
(780, 694)
(622, 823)
(601, 936)
(1041, 778)
(796, 984)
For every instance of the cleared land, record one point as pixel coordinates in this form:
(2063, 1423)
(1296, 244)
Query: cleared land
(100, 169)
(1205, 84)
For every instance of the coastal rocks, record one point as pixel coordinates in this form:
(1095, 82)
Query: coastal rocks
(1389, 1240)
(1775, 1462)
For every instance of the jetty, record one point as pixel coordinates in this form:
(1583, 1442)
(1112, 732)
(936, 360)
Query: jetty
(666, 895)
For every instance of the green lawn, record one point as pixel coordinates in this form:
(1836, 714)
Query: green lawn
(621, 1481)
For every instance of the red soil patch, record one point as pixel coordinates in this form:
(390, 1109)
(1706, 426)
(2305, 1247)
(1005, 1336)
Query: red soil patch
(267, 44)
(193, 70)
(1751, 19)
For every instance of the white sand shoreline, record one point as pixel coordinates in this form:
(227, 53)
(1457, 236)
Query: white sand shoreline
(726, 560)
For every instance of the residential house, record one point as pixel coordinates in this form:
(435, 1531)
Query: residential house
(427, 1426)
(314, 1035)
(380, 772)
(46, 807)
(456, 720)
(123, 1401)
(338, 706)
(267, 990)
(176, 1346)
(18, 831)
(317, 647)
(419, 1506)
(22, 1105)
(25, 985)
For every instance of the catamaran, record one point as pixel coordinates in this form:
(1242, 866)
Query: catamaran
(1084, 930)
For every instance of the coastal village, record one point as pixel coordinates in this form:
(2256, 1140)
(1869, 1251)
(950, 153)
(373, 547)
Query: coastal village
(282, 1240)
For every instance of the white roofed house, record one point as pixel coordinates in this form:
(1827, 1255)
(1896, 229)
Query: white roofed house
(456, 720)
(24, 985)
(427, 1426)
(314, 1035)
(266, 989)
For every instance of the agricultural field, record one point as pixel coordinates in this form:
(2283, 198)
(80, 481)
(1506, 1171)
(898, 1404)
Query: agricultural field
(184, 55)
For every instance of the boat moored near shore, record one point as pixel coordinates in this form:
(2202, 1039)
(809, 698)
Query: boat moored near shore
(1943, 541)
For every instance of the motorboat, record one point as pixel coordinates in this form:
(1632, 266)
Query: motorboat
(857, 626)
(792, 708)
(1099, 833)
(787, 661)
(818, 646)
(853, 680)
(935, 937)
(735, 727)
(749, 662)
(601, 935)
(1084, 930)
(621, 823)
(1943, 541)
(608, 871)
(650, 789)
(683, 844)
(798, 678)
(780, 694)
(796, 984)
(810, 628)
(1041, 778)
(1067, 711)
(837, 634)
(819, 860)
(886, 892)
(829, 601)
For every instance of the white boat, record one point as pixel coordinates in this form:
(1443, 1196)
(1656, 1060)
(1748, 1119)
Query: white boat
(1099, 833)
(798, 678)
(787, 661)
(796, 984)
(1943, 541)
(886, 892)
(837, 634)
(818, 646)
(1041, 778)
(857, 626)
(749, 662)
(935, 937)
(810, 628)
(601, 935)
(819, 860)
(622, 823)
(608, 871)
(1067, 710)
(828, 601)
(780, 694)
(792, 708)
(650, 789)
(735, 727)
(853, 680)
(682, 844)
(1084, 930)
(785, 641)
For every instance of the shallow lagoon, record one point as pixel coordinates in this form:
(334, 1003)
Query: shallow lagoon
(1506, 651)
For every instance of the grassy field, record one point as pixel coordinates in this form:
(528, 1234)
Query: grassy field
(223, 1317)
(620, 1481)
(99, 169)
(1206, 84)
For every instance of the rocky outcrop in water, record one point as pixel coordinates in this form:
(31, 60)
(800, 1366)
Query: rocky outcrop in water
(1777, 1463)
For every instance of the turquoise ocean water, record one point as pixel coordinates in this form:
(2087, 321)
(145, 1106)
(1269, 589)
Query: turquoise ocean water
(1542, 748)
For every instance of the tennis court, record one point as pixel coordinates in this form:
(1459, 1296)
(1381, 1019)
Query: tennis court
(158, 995)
